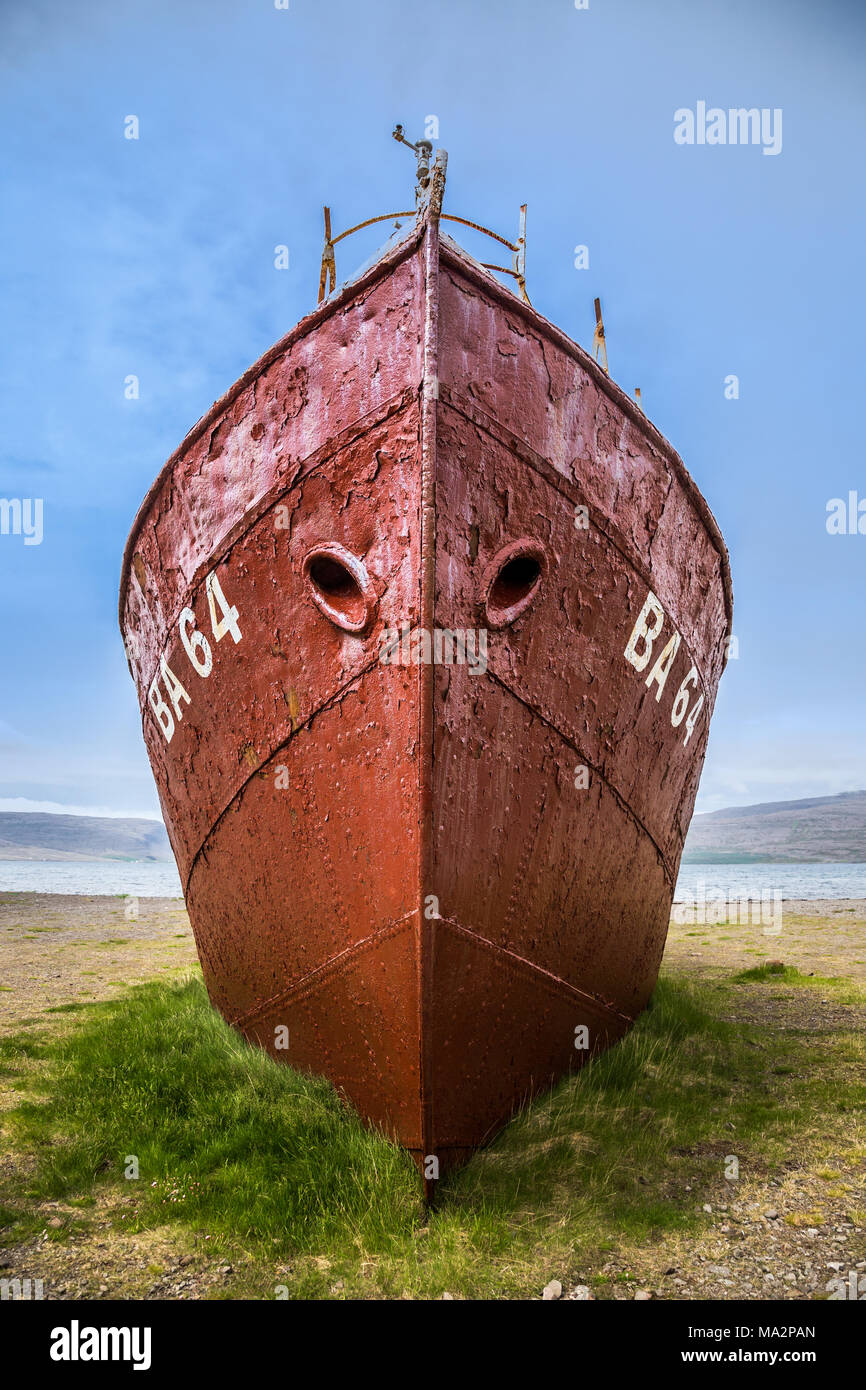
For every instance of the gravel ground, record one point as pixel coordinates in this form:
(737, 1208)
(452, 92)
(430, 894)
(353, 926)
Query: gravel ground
(57, 950)
(825, 936)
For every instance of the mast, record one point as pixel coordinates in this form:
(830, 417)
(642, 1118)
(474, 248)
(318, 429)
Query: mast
(429, 192)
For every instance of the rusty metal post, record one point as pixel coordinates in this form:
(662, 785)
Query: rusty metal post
(599, 345)
(520, 255)
(329, 266)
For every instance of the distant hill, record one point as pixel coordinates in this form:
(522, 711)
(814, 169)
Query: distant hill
(37, 835)
(818, 829)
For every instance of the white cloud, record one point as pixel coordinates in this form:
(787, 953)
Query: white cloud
(749, 771)
(58, 808)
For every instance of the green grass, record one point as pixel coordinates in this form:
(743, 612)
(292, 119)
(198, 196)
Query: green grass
(229, 1139)
(271, 1164)
(775, 972)
(14, 1046)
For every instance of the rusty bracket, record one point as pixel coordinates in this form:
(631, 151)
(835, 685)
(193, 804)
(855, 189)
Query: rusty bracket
(329, 265)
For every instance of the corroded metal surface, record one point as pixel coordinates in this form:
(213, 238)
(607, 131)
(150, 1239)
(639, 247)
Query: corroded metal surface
(440, 882)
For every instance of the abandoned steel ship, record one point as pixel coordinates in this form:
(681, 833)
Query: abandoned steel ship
(427, 622)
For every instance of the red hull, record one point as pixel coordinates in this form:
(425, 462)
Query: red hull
(424, 878)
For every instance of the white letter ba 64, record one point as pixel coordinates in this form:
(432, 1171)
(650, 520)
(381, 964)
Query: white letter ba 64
(689, 700)
(223, 620)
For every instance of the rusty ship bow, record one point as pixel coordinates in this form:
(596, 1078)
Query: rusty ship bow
(427, 622)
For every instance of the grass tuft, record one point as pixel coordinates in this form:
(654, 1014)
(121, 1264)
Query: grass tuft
(774, 970)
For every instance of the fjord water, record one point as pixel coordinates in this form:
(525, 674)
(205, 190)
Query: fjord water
(146, 879)
(738, 882)
(92, 877)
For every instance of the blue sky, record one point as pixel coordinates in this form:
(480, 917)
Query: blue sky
(155, 257)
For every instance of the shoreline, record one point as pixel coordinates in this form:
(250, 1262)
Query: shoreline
(64, 950)
(820, 904)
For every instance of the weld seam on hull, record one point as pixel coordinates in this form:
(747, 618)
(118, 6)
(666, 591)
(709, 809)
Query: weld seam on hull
(350, 292)
(337, 899)
(668, 872)
(394, 406)
(326, 704)
(310, 982)
(426, 684)
(614, 393)
(570, 491)
(339, 694)
(537, 973)
(523, 863)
